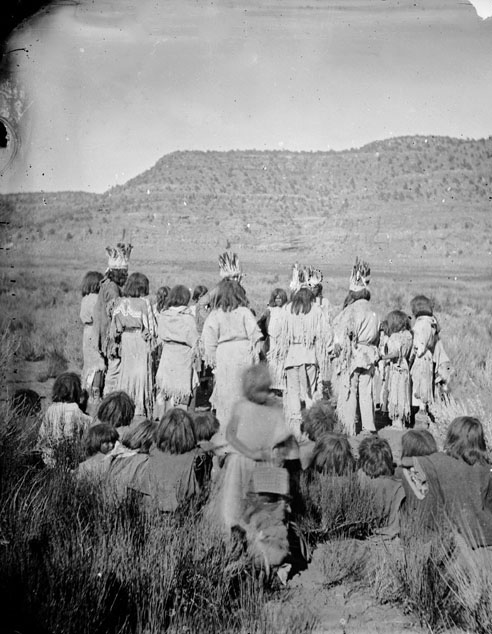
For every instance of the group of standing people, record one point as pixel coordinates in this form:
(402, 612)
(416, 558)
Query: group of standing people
(157, 351)
(146, 358)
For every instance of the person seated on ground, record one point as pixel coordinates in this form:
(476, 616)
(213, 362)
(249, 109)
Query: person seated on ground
(175, 471)
(332, 455)
(456, 485)
(129, 456)
(318, 420)
(376, 474)
(117, 409)
(140, 436)
(415, 442)
(64, 421)
(206, 426)
(99, 442)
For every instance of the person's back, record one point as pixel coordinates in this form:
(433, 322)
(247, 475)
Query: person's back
(109, 294)
(62, 423)
(463, 492)
(376, 474)
(388, 495)
(169, 479)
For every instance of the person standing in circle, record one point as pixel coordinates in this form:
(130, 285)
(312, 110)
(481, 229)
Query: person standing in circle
(109, 296)
(231, 340)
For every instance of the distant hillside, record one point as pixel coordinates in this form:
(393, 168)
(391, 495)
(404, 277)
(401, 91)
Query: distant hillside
(407, 198)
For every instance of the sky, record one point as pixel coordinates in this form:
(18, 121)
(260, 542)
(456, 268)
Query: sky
(110, 86)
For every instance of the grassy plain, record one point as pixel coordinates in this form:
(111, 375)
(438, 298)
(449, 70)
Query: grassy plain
(77, 561)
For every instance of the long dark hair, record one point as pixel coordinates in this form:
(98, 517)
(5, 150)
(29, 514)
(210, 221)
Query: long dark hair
(179, 296)
(230, 295)
(117, 409)
(161, 297)
(302, 301)
(278, 292)
(175, 433)
(396, 321)
(418, 442)
(137, 285)
(118, 276)
(67, 388)
(376, 457)
(333, 455)
(353, 296)
(421, 305)
(199, 292)
(91, 282)
(465, 440)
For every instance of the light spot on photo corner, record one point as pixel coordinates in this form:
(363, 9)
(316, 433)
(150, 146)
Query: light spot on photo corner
(483, 8)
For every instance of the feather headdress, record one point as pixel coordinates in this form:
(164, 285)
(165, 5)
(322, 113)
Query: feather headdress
(229, 266)
(304, 277)
(360, 276)
(119, 256)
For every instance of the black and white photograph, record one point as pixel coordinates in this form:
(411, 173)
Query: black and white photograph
(245, 318)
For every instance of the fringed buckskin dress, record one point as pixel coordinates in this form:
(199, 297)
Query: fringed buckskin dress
(176, 377)
(134, 324)
(302, 356)
(399, 347)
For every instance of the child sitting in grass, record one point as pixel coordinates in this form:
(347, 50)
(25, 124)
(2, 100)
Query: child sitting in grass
(206, 426)
(415, 443)
(64, 421)
(458, 483)
(100, 441)
(140, 436)
(117, 409)
(318, 420)
(376, 474)
(128, 457)
(332, 455)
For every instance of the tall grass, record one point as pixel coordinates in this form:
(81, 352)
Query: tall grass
(74, 561)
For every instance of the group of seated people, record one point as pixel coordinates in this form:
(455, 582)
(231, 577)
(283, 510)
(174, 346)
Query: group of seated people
(249, 482)
(452, 485)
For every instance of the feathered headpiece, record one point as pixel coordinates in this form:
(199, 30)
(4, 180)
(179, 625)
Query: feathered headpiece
(229, 266)
(305, 277)
(119, 256)
(360, 276)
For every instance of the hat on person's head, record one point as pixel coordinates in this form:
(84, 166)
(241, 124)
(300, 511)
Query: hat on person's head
(304, 277)
(119, 256)
(360, 277)
(229, 267)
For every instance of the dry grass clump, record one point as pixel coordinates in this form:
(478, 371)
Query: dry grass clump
(72, 561)
(335, 507)
(75, 560)
(436, 575)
